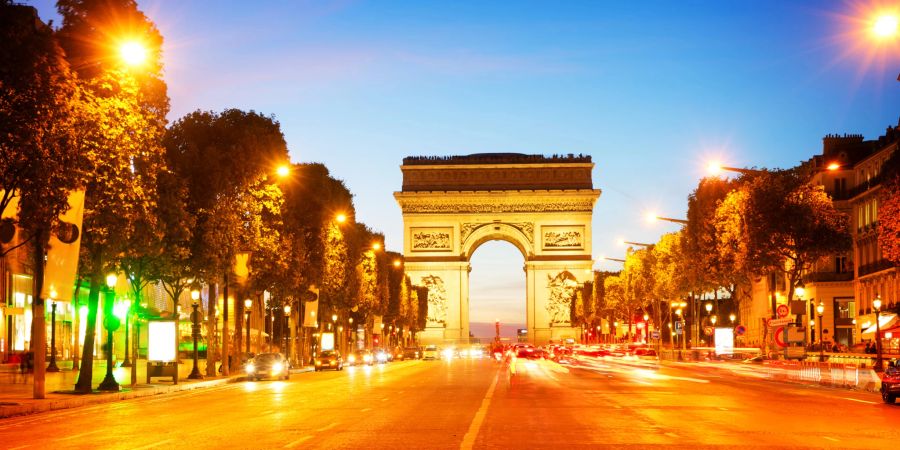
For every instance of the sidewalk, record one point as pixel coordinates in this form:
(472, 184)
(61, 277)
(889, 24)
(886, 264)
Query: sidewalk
(16, 390)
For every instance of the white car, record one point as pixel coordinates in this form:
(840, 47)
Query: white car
(431, 352)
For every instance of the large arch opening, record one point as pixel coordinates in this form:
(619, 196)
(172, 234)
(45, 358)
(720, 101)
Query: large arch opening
(497, 290)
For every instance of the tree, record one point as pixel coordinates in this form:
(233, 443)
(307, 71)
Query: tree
(38, 107)
(779, 221)
(889, 209)
(124, 116)
(228, 160)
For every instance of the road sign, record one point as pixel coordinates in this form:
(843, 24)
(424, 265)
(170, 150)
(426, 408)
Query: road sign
(780, 322)
(740, 330)
(782, 311)
(708, 330)
(654, 335)
(779, 337)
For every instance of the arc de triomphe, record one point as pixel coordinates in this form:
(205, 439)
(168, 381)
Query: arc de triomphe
(542, 205)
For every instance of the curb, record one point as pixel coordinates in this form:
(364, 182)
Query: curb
(37, 406)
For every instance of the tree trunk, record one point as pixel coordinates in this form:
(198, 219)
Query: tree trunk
(226, 361)
(86, 372)
(77, 309)
(239, 318)
(39, 344)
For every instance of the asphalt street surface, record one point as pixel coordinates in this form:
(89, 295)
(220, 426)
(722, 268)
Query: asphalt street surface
(479, 404)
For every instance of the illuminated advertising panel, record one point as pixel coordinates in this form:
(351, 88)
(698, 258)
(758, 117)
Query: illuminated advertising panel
(161, 345)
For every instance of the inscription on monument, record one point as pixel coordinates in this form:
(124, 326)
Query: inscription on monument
(431, 239)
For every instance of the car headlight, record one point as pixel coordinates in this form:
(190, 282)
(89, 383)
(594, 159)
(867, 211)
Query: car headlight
(351, 358)
(250, 368)
(277, 367)
(367, 358)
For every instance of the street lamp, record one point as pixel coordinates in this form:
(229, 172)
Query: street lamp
(195, 333)
(712, 339)
(52, 366)
(652, 217)
(646, 328)
(876, 305)
(111, 323)
(709, 308)
(732, 317)
(133, 53)
(287, 334)
(820, 310)
(247, 305)
(715, 168)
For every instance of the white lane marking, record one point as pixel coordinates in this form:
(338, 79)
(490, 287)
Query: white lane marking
(723, 409)
(154, 445)
(76, 436)
(327, 427)
(384, 399)
(860, 401)
(297, 442)
(17, 448)
(266, 412)
(472, 433)
(831, 439)
(672, 435)
(646, 383)
(365, 410)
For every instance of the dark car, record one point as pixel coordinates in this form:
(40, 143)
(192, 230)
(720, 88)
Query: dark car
(412, 353)
(890, 382)
(268, 365)
(329, 359)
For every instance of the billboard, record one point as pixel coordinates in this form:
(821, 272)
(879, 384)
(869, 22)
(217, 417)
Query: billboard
(327, 341)
(724, 340)
(161, 341)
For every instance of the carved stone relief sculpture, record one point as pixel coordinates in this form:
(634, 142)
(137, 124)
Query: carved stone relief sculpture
(562, 291)
(437, 301)
(563, 238)
(431, 239)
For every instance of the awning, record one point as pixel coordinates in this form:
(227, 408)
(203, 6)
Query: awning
(887, 321)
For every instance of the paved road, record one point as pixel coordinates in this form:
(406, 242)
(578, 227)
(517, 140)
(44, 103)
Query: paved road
(478, 404)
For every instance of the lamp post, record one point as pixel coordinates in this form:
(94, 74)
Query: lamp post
(646, 328)
(350, 331)
(287, 333)
(52, 366)
(382, 332)
(195, 333)
(876, 305)
(820, 310)
(247, 305)
(111, 323)
(712, 338)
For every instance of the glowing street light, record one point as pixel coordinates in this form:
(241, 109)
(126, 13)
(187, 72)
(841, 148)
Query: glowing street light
(653, 217)
(715, 169)
(111, 323)
(283, 171)
(397, 263)
(886, 26)
(133, 53)
(820, 310)
(376, 246)
(340, 218)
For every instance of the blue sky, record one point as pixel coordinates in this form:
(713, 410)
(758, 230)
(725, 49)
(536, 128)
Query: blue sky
(650, 90)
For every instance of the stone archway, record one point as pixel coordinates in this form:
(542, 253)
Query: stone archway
(541, 205)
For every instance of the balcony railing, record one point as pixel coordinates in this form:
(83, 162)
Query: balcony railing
(824, 277)
(876, 266)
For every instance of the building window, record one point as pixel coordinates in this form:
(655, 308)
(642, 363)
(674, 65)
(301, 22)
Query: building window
(845, 309)
(840, 187)
(840, 264)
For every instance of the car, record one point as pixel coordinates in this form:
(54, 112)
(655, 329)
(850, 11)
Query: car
(890, 382)
(268, 365)
(412, 353)
(329, 359)
(359, 358)
(431, 352)
(397, 354)
(382, 356)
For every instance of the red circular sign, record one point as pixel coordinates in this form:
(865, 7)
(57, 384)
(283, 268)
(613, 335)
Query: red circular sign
(740, 330)
(708, 330)
(779, 337)
(782, 311)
